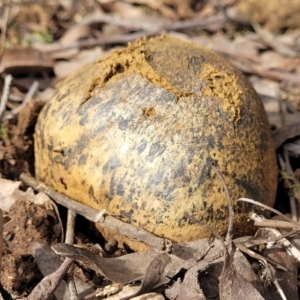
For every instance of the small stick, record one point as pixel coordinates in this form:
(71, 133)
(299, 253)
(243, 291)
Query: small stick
(230, 206)
(285, 243)
(32, 90)
(70, 233)
(45, 289)
(7, 82)
(97, 216)
(70, 227)
(275, 223)
(275, 211)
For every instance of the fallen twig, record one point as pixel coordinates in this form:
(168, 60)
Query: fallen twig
(230, 206)
(97, 216)
(275, 211)
(125, 38)
(70, 233)
(45, 289)
(7, 82)
(28, 96)
(285, 243)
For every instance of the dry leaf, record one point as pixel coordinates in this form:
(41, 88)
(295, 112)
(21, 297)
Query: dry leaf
(24, 60)
(123, 269)
(287, 280)
(48, 262)
(233, 285)
(64, 68)
(8, 193)
(274, 60)
(189, 288)
(160, 272)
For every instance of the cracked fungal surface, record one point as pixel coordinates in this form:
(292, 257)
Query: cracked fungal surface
(137, 133)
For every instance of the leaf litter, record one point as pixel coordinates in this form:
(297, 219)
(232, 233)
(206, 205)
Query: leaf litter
(267, 50)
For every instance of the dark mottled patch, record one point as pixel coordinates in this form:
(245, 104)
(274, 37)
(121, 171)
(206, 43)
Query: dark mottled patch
(190, 158)
(210, 141)
(43, 142)
(155, 150)
(97, 164)
(82, 142)
(167, 193)
(209, 214)
(206, 173)
(129, 197)
(167, 97)
(142, 146)
(143, 205)
(83, 121)
(63, 183)
(46, 109)
(186, 179)
(65, 115)
(179, 173)
(50, 147)
(82, 159)
(243, 206)
(92, 194)
(251, 191)
(127, 215)
(105, 108)
(66, 151)
(59, 159)
(112, 186)
(264, 141)
(159, 219)
(123, 123)
(155, 179)
(60, 97)
(194, 63)
(120, 190)
(219, 215)
(98, 128)
(108, 197)
(112, 164)
(135, 206)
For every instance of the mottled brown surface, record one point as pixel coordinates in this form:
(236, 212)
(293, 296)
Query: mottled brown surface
(138, 132)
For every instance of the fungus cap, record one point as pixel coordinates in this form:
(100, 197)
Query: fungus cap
(137, 133)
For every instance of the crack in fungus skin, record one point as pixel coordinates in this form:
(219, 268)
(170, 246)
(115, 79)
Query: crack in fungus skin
(225, 86)
(142, 129)
(133, 59)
